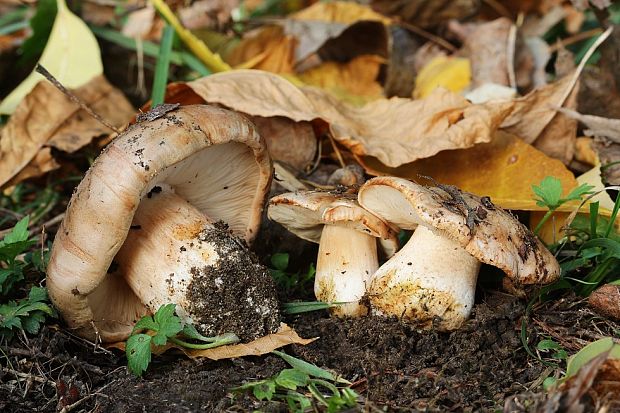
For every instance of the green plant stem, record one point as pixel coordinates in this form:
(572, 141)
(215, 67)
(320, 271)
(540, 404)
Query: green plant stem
(161, 69)
(543, 220)
(222, 341)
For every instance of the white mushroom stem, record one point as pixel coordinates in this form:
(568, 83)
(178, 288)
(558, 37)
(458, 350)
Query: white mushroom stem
(346, 261)
(163, 248)
(431, 279)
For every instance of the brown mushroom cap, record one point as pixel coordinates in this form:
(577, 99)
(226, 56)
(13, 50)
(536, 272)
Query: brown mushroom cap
(487, 232)
(211, 157)
(304, 213)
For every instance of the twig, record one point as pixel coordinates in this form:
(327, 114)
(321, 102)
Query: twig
(582, 64)
(43, 71)
(498, 7)
(574, 39)
(510, 56)
(53, 221)
(70, 407)
(28, 376)
(338, 154)
(429, 36)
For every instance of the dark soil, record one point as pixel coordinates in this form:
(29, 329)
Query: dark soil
(392, 365)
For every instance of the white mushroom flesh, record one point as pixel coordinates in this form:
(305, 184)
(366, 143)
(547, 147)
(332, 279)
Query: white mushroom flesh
(347, 259)
(162, 248)
(431, 279)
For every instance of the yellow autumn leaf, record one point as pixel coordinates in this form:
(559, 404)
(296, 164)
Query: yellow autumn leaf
(339, 12)
(72, 55)
(452, 73)
(504, 169)
(353, 82)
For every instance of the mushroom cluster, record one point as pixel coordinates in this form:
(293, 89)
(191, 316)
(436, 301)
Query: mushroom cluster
(163, 216)
(432, 279)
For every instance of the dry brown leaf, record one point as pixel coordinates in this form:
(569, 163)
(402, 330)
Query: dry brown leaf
(401, 71)
(41, 164)
(283, 337)
(207, 13)
(397, 130)
(339, 12)
(504, 169)
(427, 13)
(140, 23)
(560, 135)
(268, 48)
(290, 142)
(606, 300)
(596, 125)
(46, 117)
(533, 112)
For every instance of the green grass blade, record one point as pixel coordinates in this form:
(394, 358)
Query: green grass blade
(13, 27)
(307, 306)
(593, 219)
(163, 64)
(13, 16)
(305, 367)
(612, 219)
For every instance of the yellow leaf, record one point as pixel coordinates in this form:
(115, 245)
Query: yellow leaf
(72, 55)
(339, 12)
(353, 82)
(452, 73)
(504, 169)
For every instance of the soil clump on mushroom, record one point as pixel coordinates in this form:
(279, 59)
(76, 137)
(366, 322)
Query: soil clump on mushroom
(240, 288)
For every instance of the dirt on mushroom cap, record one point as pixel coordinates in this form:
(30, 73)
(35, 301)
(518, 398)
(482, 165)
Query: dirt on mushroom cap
(236, 296)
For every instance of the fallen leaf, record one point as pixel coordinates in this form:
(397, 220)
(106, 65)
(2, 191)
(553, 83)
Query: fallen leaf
(452, 73)
(584, 151)
(427, 13)
(290, 142)
(71, 55)
(354, 82)
(263, 345)
(47, 118)
(606, 301)
(140, 23)
(596, 125)
(268, 48)
(340, 12)
(397, 130)
(533, 112)
(401, 71)
(560, 135)
(207, 13)
(285, 336)
(42, 163)
(504, 169)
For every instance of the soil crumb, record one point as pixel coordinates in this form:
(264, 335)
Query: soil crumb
(237, 295)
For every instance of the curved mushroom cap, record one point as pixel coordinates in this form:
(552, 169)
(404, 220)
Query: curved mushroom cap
(211, 157)
(484, 230)
(304, 213)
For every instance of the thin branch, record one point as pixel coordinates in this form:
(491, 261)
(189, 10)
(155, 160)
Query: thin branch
(510, 56)
(429, 36)
(43, 71)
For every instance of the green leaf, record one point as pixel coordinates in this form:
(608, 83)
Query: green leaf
(18, 233)
(298, 403)
(291, 379)
(146, 323)
(549, 192)
(41, 24)
(591, 351)
(305, 367)
(280, 261)
(545, 345)
(307, 306)
(549, 382)
(169, 325)
(264, 390)
(138, 351)
(37, 294)
(577, 193)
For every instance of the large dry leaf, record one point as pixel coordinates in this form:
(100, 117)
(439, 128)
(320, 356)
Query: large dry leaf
(533, 112)
(71, 55)
(396, 131)
(596, 125)
(452, 73)
(283, 337)
(268, 48)
(47, 118)
(504, 169)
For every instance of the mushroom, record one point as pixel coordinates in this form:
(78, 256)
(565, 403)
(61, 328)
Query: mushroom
(432, 279)
(346, 234)
(140, 228)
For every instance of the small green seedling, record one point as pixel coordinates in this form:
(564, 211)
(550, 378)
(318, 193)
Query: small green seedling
(286, 280)
(553, 349)
(549, 194)
(303, 386)
(26, 314)
(14, 243)
(164, 327)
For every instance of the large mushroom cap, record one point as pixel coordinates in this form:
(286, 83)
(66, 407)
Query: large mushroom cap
(485, 231)
(211, 157)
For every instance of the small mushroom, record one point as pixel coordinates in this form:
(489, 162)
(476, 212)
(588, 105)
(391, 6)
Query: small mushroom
(346, 234)
(139, 230)
(432, 279)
